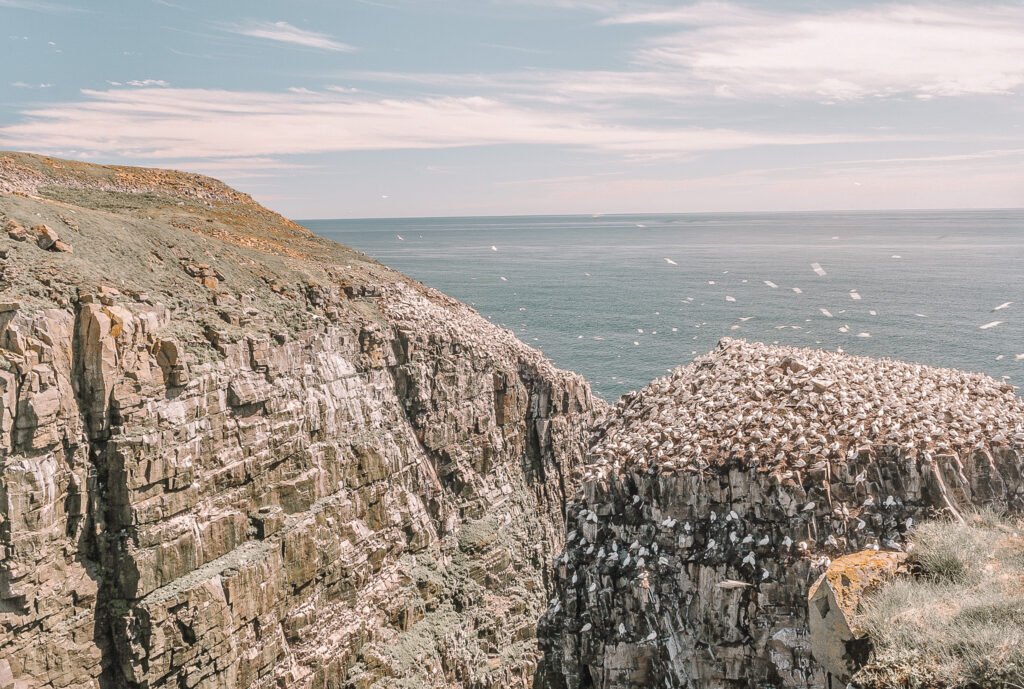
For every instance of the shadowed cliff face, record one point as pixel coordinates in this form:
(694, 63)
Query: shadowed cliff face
(714, 498)
(234, 454)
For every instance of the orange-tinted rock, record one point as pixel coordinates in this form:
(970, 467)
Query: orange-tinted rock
(838, 643)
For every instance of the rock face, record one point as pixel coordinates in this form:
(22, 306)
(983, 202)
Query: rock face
(714, 498)
(233, 454)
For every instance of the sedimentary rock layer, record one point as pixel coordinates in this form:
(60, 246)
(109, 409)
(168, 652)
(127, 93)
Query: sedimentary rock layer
(236, 455)
(715, 497)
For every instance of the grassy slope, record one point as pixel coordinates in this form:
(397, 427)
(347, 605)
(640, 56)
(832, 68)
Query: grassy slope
(960, 621)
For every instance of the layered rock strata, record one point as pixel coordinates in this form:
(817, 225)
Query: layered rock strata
(714, 498)
(234, 454)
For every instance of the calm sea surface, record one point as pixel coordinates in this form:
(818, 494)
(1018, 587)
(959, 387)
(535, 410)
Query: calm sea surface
(598, 296)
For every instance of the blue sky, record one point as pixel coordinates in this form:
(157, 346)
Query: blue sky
(379, 108)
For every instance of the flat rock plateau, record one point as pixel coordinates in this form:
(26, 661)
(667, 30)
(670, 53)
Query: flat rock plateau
(236, 455)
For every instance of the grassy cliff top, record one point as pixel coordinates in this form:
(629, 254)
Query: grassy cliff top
(959, 622)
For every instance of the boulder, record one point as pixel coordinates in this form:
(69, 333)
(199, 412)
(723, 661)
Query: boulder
(15, 230)
(46, 236)
(838, 643)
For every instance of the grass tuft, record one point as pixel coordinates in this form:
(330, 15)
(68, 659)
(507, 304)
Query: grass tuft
(960, 623)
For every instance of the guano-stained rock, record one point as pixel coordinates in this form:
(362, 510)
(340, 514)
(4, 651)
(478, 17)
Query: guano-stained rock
(713, 499)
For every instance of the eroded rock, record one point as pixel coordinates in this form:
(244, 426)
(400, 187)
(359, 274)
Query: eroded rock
(332, 492)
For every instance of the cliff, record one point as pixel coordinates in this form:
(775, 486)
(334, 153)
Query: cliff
(234, 454)
(712, 500)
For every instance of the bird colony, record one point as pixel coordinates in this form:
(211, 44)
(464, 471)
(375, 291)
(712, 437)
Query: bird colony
(715, 496)
(787, 410)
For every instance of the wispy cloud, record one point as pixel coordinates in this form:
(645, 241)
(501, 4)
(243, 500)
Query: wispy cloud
(23, 85)
(141, 83)
(39, 6)
(879, 51)
(283, 32)
(151, 123)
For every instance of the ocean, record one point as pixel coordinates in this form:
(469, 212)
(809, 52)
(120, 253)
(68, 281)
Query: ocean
(623, 299)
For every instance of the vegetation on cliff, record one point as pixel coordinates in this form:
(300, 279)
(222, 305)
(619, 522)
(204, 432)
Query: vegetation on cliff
(958, 620)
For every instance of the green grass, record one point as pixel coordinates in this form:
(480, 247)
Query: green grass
(959, 622)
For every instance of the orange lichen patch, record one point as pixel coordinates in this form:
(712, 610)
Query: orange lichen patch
(833, 604)
(852, 575)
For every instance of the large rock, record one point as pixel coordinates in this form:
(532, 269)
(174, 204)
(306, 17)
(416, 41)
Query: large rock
(838, 642)
(714, 498)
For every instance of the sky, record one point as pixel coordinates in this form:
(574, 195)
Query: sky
(390, 108)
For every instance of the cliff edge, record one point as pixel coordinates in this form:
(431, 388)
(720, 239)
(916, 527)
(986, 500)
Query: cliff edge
(713, 499)
(235, 454)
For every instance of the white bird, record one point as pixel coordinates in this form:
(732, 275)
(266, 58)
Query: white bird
(504, 279)
(990, 325)
(493, 248)
(671, 262)
(798, 290)
(586, 628)
(400, 237)
(730, 584)
(728, 298)
(816, 267)
(809, 507)
(771, 284)
(1002, 306)
(826, 313)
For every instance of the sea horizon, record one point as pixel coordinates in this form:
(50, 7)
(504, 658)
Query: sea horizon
(673, 213)
(601, 294)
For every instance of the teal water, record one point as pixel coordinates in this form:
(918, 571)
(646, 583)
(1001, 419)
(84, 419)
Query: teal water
(582, 288)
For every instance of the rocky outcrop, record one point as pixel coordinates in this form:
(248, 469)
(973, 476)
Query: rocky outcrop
(714, 498)
(289, 468)
(838, 642)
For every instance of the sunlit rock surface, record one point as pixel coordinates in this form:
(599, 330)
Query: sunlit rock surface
(237, 455)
